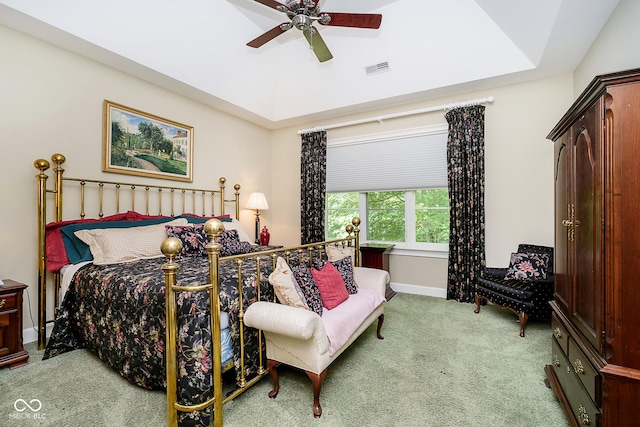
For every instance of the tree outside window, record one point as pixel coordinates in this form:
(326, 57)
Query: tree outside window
(386, 216)
(432, 216)
(341, 208)
(417, 218)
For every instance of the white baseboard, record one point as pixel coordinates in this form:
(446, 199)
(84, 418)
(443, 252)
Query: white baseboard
(419, 290)
(31, 335)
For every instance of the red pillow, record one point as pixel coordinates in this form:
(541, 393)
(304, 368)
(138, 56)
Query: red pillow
(331, 286)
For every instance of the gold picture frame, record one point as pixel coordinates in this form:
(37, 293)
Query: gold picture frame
(137, 143)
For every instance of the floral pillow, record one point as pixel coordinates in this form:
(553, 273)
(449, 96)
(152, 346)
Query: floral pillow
(528, 266)
(192, 236)
(303, 276)
(231, 244)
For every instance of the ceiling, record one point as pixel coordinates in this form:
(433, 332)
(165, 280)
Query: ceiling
(433, 48)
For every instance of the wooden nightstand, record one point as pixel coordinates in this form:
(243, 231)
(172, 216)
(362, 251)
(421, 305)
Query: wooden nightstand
(12, 352)
(376, 255)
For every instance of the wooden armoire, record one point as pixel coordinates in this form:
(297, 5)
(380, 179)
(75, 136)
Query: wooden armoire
(595, 358)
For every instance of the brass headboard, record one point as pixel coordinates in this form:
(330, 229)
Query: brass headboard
(97, 194)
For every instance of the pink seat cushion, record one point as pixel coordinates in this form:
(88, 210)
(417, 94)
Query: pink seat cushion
(341, 322)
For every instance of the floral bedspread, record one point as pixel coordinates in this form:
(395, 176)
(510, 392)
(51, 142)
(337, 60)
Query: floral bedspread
(118, 312)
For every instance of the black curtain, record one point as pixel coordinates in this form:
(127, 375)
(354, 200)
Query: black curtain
(465, 170)
(313, 183)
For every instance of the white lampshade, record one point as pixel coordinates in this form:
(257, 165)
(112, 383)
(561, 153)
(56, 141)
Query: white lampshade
(257, 201)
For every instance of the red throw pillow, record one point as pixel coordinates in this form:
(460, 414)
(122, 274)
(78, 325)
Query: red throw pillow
(331, 286)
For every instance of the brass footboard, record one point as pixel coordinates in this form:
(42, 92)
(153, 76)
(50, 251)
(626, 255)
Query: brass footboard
(171, 247)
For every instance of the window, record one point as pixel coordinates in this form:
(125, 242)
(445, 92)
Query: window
(396, 183)
(432, 216)
(412, 219)
(386, 216)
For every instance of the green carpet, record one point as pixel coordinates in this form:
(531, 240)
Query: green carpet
(439, 365)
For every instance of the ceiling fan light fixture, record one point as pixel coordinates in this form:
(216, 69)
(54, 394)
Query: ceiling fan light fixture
(301, 22)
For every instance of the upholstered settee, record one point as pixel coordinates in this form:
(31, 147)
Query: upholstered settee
(300, 337)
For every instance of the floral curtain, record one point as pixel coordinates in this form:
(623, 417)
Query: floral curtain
(313, 182)
(465, 169)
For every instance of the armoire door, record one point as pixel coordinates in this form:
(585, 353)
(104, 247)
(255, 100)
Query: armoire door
(564, 232)
(586, 207)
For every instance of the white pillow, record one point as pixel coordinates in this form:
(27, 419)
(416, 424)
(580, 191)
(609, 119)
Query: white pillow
(113, 245)
(286, 286)
(235, 225)
(335, 253)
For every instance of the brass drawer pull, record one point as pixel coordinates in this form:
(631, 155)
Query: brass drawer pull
(577, 367)
(557, 333)
(555, 360)
(584, 417)
(3, 302)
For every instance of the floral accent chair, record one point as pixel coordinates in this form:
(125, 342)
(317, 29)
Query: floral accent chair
(525, 287)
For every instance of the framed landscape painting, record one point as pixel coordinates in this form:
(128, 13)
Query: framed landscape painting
(137, 143)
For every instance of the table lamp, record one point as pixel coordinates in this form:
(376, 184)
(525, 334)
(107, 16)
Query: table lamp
(258, 202)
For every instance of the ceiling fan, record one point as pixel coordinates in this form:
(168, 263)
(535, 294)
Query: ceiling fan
(303, 13)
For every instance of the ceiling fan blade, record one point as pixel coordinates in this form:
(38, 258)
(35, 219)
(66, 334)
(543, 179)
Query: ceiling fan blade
(269, 35)
(317, 44)
(271, 3)
(359, 20)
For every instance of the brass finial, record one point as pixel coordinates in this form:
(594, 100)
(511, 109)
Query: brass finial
(223, 180)
(349, 228)
(236, 187)
(213, 227)
(171, 247)
(41, 164)
(58, 158)
(356, 221)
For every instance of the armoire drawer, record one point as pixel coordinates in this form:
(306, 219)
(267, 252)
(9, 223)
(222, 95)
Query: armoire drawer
(584, 370)
(582, 406)
(560, 334)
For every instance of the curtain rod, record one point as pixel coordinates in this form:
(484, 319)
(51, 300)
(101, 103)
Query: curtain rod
(379, 119)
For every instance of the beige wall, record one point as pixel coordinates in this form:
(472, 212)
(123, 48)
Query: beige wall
(519, 173)
(615, 49)
(52, 102)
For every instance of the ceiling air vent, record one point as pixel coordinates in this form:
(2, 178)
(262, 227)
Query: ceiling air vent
(377, 68)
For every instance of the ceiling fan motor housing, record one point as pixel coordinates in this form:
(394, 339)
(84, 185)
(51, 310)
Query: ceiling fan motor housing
(301, 21)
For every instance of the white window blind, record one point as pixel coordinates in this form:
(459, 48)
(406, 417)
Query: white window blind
(408, 160)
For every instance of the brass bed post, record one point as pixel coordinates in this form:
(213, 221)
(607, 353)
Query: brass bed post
(356, 231)
(237, 199)
(213, 228)
(42, 165)
(58, 160)
(242, 382)
(170, 248)
(222, 181)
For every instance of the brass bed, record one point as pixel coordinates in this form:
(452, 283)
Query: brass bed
(154, 199)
